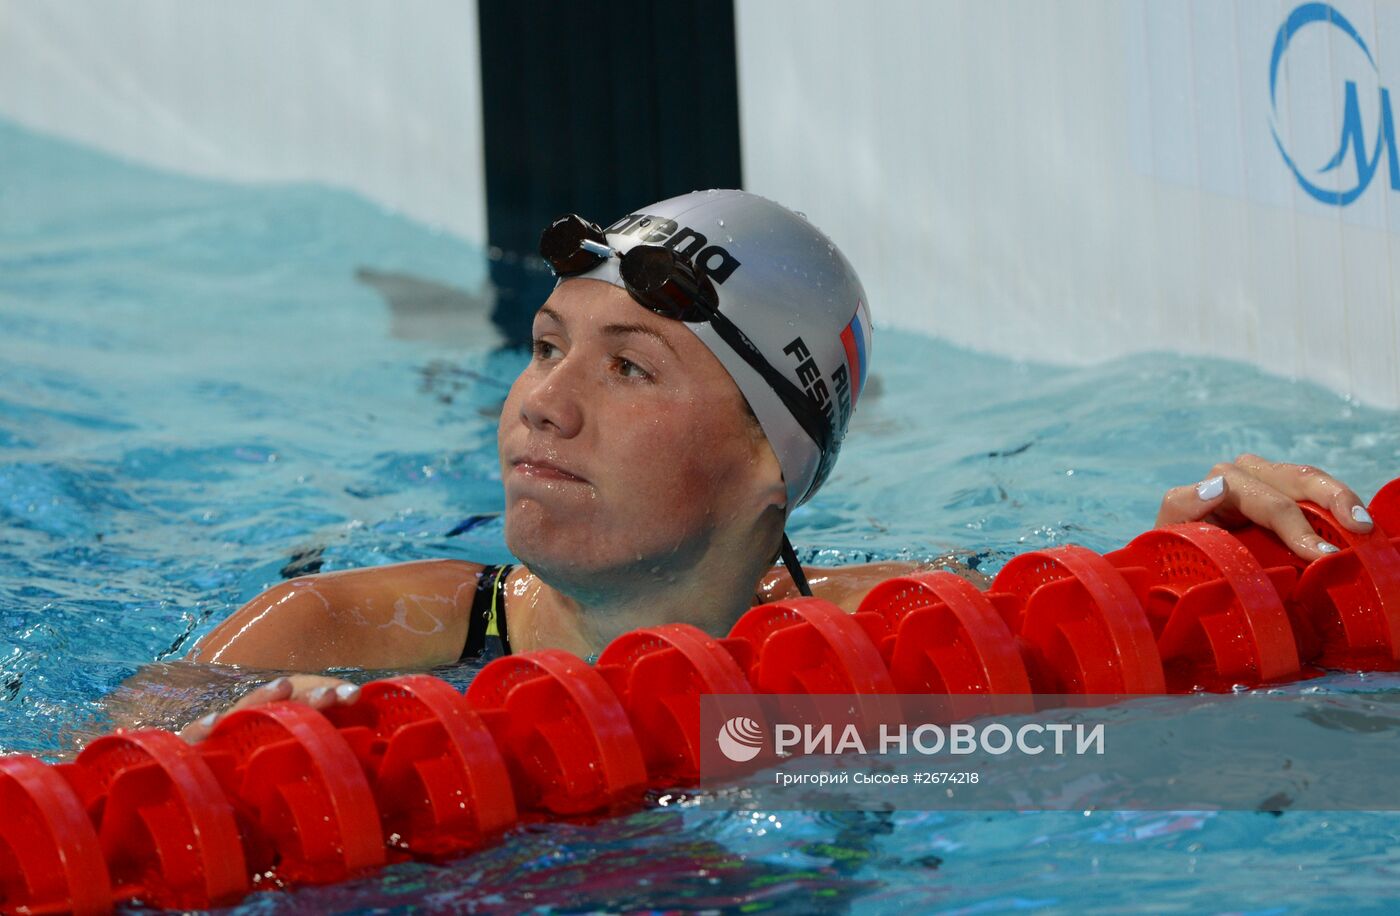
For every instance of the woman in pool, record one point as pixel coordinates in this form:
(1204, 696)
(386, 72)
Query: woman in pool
(694, 373)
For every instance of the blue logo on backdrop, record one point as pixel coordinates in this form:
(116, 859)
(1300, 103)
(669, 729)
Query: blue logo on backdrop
(1367, 157)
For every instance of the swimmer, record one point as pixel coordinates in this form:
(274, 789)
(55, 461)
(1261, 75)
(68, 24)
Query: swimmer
(693, 376)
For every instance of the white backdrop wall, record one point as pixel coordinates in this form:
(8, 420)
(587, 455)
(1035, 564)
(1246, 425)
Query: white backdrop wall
(377, 97)
(1068, 180)
(1077, 180)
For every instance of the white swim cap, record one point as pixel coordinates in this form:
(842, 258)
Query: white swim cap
(790, 291)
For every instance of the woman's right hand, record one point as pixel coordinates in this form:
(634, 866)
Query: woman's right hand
(315, 690)
(1266, 493)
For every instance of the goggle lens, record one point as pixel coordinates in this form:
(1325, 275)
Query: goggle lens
(667, 284)
(561, 244)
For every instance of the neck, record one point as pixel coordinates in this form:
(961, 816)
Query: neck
(543, 616)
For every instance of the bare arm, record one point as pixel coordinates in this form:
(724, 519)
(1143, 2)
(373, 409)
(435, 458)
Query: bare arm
(407, 615)
(847, 586)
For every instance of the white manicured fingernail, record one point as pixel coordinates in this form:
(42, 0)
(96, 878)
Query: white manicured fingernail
(209, 720)
(347, 692)
(1361, 515)
(1211, 487)
(1325, 547)
(277, 683)
(317, 695)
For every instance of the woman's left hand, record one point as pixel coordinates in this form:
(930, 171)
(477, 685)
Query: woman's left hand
(315, 690)
(1250, 489)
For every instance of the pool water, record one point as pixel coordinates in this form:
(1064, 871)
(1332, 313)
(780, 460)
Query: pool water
(206, 388)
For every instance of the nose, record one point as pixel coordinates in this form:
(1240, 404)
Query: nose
(551, 401)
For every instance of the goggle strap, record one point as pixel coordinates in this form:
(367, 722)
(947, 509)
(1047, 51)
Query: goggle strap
(596, 248)
(794, 568)
(796, 400)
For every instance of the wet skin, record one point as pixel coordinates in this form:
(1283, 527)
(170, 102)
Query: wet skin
(638, 491)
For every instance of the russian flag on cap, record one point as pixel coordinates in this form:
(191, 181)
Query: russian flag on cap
(856, 339)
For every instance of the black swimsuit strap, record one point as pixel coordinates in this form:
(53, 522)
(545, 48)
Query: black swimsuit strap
(500, 611)
(500, 605)
(490, 592)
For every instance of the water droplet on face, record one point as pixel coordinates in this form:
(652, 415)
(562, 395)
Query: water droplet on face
(720, 222)
(729, 239)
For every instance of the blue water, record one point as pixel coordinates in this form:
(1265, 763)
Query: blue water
(205, 388)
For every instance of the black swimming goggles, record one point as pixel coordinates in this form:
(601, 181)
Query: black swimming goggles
(669, 285)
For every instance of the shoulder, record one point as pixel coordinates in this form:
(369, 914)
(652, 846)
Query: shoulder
(402, 614)
(847, 586)
(421, 577)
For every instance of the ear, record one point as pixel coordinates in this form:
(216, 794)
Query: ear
(772, 489)
(775, 496)
(773, 520)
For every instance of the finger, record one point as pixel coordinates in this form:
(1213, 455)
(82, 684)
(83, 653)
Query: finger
(274, 690)
(200, 728)
(1193, 502)
(1303, 481)
(304, 685)
(1233, 492)
(328, 692)
(1269, 508)
(320, 698)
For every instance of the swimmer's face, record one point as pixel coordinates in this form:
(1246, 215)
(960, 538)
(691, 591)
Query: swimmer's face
(626, 449)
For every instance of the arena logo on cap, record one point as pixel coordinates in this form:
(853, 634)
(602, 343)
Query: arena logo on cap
(1329, 183)
(714, 261)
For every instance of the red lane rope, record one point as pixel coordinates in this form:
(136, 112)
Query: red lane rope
(283, 794)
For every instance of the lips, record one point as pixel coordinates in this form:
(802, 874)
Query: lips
(544, 469)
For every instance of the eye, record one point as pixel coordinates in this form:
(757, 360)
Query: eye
(543, 349)
(631, 369)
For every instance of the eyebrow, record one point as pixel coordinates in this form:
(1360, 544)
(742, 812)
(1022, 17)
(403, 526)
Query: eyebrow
(614, 330)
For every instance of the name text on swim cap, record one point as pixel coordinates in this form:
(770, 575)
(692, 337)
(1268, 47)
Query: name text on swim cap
(810, 375)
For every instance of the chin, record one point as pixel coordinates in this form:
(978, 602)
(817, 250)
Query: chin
(576, 553)
(545, 540)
